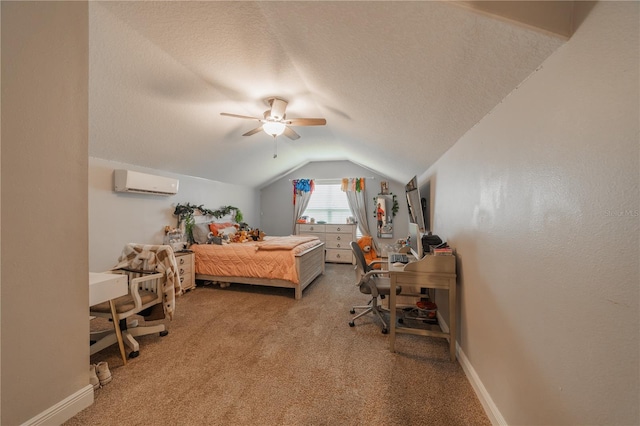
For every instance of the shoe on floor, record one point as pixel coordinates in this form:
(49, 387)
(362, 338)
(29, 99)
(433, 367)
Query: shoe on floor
(102, 370)
(93, 378)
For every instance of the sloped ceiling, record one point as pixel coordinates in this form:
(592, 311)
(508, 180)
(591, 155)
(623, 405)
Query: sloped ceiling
(398, 82)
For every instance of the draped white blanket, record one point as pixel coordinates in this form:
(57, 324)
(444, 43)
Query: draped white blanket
(159, 258)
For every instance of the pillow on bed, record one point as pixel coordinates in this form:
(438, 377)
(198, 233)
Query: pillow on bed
(200, 233)
(217, 227)
(230, 230)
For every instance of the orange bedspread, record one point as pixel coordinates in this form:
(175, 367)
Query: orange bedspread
(273, 258)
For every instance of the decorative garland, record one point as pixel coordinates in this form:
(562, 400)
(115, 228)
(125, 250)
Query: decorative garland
(303, 185)
(186, 211)
(300, 186)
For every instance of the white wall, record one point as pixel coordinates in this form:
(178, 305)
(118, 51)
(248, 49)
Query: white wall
(541, 202)
(45, 291)
(116, 219)
(277, 198)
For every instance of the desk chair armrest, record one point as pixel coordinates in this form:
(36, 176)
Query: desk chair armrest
(145, 282)
(377, 272)
(364, 279)
(372, 286)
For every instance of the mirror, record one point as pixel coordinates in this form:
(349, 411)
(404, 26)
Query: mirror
(384, 220)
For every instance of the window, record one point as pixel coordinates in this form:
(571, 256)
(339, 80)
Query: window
(328, 203)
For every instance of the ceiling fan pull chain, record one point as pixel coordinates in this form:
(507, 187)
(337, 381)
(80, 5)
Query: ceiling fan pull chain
(275, 146)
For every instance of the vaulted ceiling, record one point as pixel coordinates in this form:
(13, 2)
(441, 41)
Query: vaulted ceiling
(398, 82)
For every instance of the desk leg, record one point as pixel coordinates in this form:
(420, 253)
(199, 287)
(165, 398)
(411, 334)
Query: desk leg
(116, 326)
(392, 314)
(452, 320)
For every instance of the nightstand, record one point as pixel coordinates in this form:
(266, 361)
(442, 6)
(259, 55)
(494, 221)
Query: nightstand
(186, 269)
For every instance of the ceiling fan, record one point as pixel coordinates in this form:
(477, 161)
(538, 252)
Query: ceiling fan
(275, 121)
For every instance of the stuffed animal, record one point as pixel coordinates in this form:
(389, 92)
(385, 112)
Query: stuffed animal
(213, 239)
(366, 244)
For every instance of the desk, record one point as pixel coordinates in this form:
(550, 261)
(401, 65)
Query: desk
(103, 287)
(438, 272)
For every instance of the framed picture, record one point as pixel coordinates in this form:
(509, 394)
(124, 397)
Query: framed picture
(384, 187)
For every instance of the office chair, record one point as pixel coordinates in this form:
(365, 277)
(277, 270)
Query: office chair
(373, 282)
(367, 245)
(153, 278)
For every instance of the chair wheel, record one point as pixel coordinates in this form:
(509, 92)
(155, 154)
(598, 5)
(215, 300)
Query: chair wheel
(385, 331)
(353, 311)
(134, 354)
(352, 324)
(164, 333)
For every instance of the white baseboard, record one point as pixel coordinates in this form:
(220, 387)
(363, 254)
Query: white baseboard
(65, 409)
(495, 417)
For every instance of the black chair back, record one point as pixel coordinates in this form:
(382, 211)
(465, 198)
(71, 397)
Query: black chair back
(361, 263)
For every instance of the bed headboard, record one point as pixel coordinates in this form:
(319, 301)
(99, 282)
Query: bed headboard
(206, 218)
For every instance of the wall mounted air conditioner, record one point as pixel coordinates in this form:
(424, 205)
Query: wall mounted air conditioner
(143, 183)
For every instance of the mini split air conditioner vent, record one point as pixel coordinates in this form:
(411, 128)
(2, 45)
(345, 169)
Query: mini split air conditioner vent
(142, 183)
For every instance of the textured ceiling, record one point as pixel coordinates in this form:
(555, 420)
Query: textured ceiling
(398, 82)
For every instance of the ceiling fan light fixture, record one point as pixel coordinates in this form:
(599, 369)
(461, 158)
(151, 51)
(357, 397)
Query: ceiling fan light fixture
(273, 128)
(275, 121)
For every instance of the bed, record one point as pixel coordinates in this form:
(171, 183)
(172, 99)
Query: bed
(292, 262)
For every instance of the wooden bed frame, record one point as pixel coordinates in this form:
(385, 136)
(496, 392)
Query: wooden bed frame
(309, 265)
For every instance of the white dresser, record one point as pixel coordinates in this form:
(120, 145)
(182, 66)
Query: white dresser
(335, 237)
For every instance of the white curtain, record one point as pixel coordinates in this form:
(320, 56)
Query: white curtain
(302, 190)
(354, 187)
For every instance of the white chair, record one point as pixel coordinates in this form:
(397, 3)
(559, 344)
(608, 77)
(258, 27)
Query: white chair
(151, 270)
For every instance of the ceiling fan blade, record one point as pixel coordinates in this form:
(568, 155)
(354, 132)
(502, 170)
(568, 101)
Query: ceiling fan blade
(239, 116)
(306, 121)
(253, 132)
(290, 134)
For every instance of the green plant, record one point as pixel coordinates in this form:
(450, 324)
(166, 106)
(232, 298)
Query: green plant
(394, 208)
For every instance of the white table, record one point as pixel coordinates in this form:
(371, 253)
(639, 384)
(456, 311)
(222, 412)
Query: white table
(104, 287)
(437, 272)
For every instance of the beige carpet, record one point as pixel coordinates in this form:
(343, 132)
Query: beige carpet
(248, 355)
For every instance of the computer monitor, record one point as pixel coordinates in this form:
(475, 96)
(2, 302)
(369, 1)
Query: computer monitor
(415, 240)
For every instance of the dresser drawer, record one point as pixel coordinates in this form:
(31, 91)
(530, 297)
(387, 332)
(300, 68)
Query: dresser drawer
(306, 228)
(336, 238)
(339, 229)
(186, 269)
(339, 256)
(184, 265)
(321, 237)
(338, 241)
(185, 281)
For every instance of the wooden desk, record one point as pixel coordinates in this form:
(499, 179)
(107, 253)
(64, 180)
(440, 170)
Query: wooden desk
(438, 272)
(106, 286)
